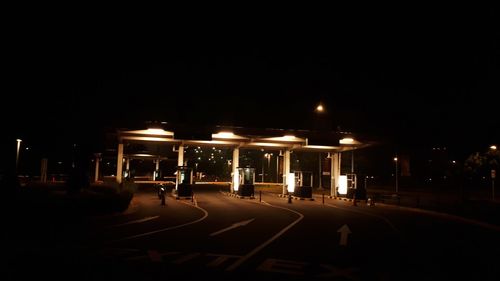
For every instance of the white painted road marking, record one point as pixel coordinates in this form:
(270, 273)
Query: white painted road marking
(272, 265)
(283, 266)
(220, 259)
(344, 233)
(235, 225)
(276, 236)
(265, 203)
(205, 215)
(135, 221)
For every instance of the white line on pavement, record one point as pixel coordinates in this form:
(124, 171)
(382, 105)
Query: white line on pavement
(276, 236)
(205, 215)
(233, 226)
(136, 221)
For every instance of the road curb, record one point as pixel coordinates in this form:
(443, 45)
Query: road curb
(302, 198)
(296, 197)
(237, 196)
(344, 199)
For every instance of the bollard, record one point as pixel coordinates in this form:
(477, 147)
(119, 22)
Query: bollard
(160, 192)
(162, 196)
(192, 197)
(354, 203)
(289, 198)
(260, 195)
(369, 202)
(323, 198)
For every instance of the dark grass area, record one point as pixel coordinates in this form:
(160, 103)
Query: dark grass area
(40, 200)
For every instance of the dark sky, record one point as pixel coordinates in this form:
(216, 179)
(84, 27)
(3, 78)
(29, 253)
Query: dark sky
(416, 77)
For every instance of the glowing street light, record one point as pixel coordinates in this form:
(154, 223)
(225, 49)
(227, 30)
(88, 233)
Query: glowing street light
(268, 156)
(493, 175)
(17, 154)
(396, 163)
(320, 108)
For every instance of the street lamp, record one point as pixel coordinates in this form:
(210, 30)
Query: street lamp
(268, 156)
(493, 175)
(396, 175)
(278, 165)
(17, 154)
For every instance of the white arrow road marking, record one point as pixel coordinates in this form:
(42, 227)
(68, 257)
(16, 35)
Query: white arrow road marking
(235, 225)
(136, 221)
(276, 236)
(344, 232)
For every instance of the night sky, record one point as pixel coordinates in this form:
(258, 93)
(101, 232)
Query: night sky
(418, 78)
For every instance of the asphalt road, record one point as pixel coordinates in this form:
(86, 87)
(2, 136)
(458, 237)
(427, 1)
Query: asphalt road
(220, 237)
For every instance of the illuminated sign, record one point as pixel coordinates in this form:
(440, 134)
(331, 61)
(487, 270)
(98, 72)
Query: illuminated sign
(343, 185)
(236, 180)
(290, 181)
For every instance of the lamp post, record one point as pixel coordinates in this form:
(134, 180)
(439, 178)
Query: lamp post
(262, 178)
(278, 165)
(396, 175)
(268, 156)
(320, 185)
(17, 153)
(493, 175)
(320, 110)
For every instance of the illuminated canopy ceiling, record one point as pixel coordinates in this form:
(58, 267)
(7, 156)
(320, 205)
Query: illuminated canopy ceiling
(298, 140)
